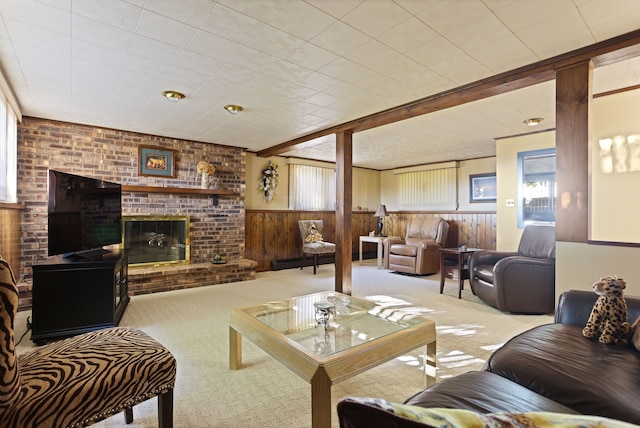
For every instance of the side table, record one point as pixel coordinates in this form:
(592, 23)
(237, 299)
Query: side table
(462, 257)
(375, 240)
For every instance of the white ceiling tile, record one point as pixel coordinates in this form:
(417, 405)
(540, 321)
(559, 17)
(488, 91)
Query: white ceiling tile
(104, 74)
(613, 77)
(136, 84)
(400, 66)
(275, 42)
(556, 35)
(98, 53)
(30, 35)
(286, 71)
(54, 18)
(597, 12)
(112, 12)
(504, 54)
(153, 49)
(182, 79)
(153, 68)
(350, 72)
(213, 46)
(447, 16)
(192, 12)
(301, 20)
(611, 18)
(542, 10)
(101, 34)
(415, 6)
(318, 81)
(311, 56)
(481, 32)
(407, 35)
(231, 24)
(374, 17)
(444, 58)
(335, 8)
(262, 10)
(371, 53)
(340, 38)
(165, 30)
(200, 63)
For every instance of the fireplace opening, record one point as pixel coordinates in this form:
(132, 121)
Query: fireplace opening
(156, 240)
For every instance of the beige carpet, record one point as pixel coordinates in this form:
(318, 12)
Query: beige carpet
(193, 324)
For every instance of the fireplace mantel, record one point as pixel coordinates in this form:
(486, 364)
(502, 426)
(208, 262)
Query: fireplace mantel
(176, 190)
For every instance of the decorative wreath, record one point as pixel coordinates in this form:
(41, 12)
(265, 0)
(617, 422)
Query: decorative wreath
(269, 181)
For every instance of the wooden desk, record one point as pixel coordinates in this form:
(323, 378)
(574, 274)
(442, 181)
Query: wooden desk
(462, 257)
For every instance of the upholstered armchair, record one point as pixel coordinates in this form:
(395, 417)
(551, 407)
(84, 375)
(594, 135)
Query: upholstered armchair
(80, 380)
(313, 242)
(418, 253)
(518, 282)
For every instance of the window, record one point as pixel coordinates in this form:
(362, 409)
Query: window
(312, 188)
(8, 151)
(536, 187)
(434, 189)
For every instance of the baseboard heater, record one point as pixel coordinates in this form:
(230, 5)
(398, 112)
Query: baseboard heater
(296, 262)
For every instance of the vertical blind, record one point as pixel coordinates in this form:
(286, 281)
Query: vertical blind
(8, 151)
(433, 189)
(312, 188)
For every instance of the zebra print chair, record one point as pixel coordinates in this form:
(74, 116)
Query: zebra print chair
(81, 380)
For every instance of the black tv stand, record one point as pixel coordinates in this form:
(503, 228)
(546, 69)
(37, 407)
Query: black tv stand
(86, 254)
(75, 295)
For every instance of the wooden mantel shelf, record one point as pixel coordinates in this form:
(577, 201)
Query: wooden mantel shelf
(176, 190)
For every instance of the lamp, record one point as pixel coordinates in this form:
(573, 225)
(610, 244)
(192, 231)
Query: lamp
(173, 96)
(233, 109)
(381, 212)
(534, 121)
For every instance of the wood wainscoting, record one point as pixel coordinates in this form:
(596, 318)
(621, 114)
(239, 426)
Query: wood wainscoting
(272, 235)
(10, 225)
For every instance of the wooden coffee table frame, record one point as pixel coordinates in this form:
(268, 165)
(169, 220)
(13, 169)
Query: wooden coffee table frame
(324, 371)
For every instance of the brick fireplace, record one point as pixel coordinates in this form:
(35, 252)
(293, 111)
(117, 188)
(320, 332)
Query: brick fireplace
(152, 240)
(217, 222)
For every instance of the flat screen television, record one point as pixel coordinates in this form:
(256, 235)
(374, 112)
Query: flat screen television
(84, 214)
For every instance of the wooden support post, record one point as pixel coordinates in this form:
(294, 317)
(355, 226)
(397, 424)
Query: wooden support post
(573, 122)
(344, 211)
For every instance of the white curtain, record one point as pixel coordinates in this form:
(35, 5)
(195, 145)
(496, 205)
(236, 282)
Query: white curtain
(428, 190)
(8, 152)
(312, 188)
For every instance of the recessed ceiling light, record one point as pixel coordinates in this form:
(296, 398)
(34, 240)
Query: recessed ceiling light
(173, 96)
(233, 109)
(533, 121)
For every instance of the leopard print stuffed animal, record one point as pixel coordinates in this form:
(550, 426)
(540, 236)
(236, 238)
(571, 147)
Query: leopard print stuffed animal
(608, 320)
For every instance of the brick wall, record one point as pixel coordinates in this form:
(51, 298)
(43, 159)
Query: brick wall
(112, 155)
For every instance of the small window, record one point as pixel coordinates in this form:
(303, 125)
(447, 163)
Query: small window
(312, 188)
(536, 187)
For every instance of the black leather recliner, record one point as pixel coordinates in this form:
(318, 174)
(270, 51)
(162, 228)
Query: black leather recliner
(518, 282)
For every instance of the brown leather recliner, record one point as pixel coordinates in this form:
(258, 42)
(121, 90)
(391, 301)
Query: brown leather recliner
(418, 253)
(522, 281)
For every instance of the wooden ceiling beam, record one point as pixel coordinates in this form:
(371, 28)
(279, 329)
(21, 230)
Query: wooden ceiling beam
(606, 52)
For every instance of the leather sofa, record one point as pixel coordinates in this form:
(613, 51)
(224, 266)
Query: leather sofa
(418, 253)
(549, 368)
(518, 282)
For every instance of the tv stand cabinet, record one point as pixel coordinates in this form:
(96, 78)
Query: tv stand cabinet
(76, 295)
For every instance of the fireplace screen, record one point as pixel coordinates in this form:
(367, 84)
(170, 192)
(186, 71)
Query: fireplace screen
(156, 240)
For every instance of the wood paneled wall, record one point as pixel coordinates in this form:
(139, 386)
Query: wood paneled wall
(274, 235)
(10, 221)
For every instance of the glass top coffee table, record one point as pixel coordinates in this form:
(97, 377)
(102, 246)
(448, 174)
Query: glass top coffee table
(359, 335)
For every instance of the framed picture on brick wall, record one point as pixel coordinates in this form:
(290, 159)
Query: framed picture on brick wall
(156, 162)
